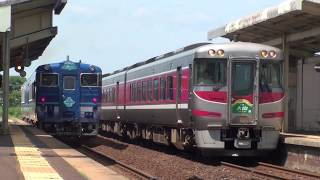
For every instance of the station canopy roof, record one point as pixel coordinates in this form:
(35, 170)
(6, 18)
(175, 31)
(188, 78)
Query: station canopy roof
(299, 20)
(31, 28)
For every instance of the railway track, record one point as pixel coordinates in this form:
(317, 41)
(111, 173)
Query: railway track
(275, 172)
(127, 168)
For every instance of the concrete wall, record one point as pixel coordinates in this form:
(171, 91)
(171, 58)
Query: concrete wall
(308, 96)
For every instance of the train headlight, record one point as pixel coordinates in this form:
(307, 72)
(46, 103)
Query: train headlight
(220, 52)
(272, 54)
(94, 100)
(264, 53)
(212, 52)
(42, 99)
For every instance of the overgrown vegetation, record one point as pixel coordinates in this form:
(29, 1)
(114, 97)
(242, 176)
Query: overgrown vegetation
(15, 90)
(15, 96)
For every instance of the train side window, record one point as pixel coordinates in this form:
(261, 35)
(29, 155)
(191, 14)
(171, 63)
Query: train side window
(110, 95)
(130, 92)
(113, 94)
(69, 82)
(107, 95)
(134, 92)
(150, 90)
(144, 90)
(170, 88)
(139, 91)
(163, 88)
(156, 89)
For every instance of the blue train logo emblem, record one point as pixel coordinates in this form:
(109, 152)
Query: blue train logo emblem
(69, 102)
(68, 65)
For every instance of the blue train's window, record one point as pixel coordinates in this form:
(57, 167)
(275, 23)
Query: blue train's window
(50, 80)
(69, 82)
(89, 80)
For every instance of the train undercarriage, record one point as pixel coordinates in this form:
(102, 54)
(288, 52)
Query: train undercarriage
(232, 141)
(181, 138)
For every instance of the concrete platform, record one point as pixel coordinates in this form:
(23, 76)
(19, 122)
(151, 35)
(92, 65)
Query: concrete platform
(29, 153)
(301, 139)
(301, 151)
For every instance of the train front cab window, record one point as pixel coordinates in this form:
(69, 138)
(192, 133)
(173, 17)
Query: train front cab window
(271, 77)
(49, 80)
(90, 80)
(211, 72)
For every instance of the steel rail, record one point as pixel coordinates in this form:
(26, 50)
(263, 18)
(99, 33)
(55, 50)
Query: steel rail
(255, 171)
(315, 175)
(123, 165)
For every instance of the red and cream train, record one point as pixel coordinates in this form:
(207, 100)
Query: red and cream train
(224, 98)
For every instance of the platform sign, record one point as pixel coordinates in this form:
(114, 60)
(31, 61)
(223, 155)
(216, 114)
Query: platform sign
(5, 18)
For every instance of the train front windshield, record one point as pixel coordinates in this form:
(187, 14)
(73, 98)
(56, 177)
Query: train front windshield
(211, 72)
(90, 80)
(271, 77)
(243, 77)
(50, 80)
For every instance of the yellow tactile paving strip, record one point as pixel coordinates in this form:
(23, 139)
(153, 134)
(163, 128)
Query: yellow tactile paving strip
(33, 166)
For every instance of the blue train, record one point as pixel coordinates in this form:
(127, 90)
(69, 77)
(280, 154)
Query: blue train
(64, 98)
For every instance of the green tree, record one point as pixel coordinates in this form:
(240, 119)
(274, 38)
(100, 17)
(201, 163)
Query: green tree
(15, 88)
(16, 82)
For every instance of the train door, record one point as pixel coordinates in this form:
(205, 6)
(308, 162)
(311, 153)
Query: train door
(243, 92)
(117, 101)
(178, 94)
(70, 97)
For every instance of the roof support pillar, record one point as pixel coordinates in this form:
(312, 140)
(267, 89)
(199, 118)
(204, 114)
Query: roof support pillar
(286, 49)
(5, 80)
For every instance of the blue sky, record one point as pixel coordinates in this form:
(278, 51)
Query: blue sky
(116, 33)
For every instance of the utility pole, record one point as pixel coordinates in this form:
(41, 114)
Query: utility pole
(5, 28)
(5, 80)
